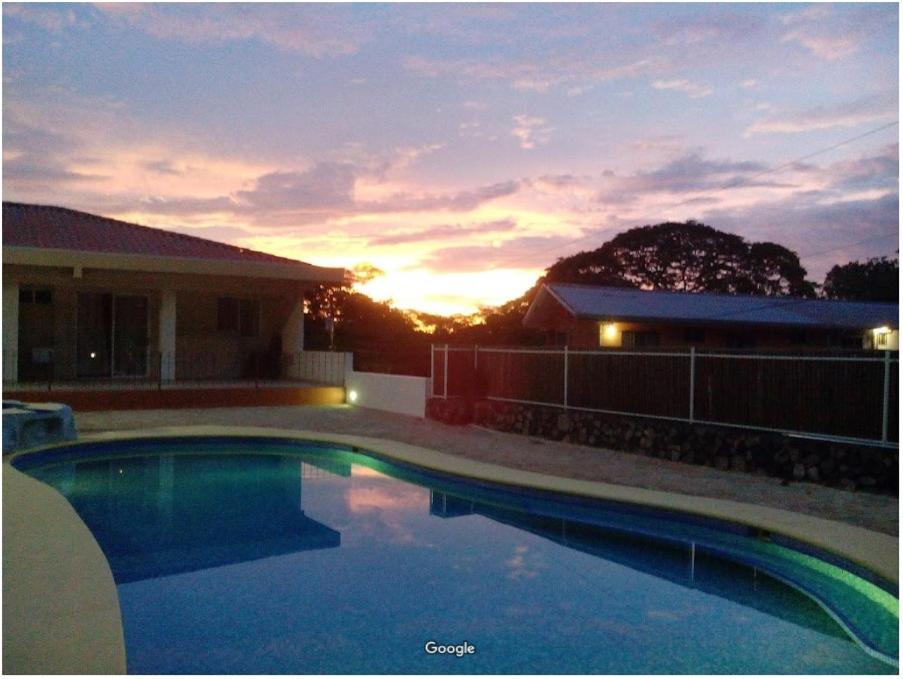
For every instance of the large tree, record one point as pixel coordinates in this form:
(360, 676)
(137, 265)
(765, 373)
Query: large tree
(877, 280)
(383, 339)
(689, 257)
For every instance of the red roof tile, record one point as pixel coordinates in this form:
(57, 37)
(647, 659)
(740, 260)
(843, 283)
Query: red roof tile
(43, 226)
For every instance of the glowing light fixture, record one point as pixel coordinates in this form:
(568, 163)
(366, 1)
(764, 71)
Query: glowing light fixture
(352, 396)
(610, 332)
(880, 337)
(93, 354)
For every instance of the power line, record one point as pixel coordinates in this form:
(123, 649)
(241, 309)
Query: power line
(734, 184)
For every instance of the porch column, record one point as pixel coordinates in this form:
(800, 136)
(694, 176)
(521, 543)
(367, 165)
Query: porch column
(167, 335)
(10, 332)
(293, 338)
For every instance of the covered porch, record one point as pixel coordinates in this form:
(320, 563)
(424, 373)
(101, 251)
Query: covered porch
(134, 327)
(94, 305)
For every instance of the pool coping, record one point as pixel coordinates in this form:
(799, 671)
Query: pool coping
(872, 550)
(61, 611)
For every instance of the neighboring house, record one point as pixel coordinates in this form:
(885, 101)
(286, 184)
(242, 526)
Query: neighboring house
(590, 316)
(86, 297)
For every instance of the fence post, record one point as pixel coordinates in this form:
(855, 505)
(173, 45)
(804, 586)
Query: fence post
(692, 382)
(565, 375)
(886, 409)
(445, 379)
(159, 370)
(432, 370)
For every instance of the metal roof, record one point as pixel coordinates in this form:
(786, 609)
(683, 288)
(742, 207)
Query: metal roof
(602, 303)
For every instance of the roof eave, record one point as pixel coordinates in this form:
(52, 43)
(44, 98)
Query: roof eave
(719, 322)
(31, 256)
(544, 292)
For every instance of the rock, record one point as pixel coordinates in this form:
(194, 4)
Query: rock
(564, 423)
(799, 471)
(812, 474)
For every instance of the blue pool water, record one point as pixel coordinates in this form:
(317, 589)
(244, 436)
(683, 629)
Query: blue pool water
(272, 557)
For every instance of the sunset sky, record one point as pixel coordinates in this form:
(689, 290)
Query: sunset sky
(459, 148)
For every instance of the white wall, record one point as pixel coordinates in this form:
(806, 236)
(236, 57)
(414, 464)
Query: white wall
(393, 393)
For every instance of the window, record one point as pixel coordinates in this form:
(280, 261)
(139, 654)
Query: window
(31, 296)
(798, 337)
(249, 317)
(694, 335)
(881, 340)
(240, 316)
(739, 341)
(639, 340)
(227, 315)
(556, 338)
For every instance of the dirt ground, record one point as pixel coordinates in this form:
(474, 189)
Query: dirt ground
(877, 512)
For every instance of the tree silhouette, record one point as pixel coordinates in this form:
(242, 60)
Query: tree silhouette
(689, 257)
(877, 280)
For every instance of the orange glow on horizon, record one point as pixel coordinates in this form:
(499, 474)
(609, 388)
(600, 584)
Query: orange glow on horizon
(447, 294)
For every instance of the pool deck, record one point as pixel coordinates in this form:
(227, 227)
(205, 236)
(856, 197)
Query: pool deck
(60, 605)
(61, 599)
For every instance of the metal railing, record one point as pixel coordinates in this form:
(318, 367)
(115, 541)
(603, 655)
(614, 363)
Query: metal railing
(847, 396)
(156, 369)
(322, 367)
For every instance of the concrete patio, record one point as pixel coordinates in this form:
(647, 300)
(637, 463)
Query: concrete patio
(876, 512)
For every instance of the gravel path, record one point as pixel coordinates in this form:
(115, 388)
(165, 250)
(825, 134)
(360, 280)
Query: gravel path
(877, 512)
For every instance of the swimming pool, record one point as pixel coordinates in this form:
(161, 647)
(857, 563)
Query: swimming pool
(271, 556)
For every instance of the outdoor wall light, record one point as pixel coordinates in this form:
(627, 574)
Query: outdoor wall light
(883, 330)
(93, 354)
(610, 332)
(352, 396)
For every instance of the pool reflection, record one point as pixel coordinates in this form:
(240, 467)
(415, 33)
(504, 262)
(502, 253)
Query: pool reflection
(153, 517)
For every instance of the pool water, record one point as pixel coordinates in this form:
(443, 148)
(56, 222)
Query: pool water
(274, 557)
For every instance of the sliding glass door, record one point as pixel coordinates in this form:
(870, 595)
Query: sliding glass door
(112, 337)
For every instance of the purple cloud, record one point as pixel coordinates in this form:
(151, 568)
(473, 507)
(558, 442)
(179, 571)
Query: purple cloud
(449, 231)
(868, 109)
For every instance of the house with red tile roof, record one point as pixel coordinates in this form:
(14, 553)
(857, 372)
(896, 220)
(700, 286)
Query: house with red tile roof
(87, 297)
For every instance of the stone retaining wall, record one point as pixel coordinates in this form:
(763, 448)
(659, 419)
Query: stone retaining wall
(791, 459)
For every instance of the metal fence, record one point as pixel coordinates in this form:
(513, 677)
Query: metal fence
(844, 396)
